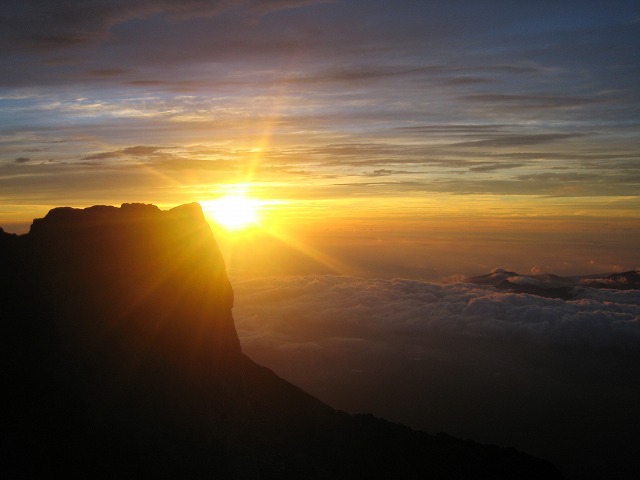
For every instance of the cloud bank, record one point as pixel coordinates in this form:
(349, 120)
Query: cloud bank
(499, 367)
(371, 309)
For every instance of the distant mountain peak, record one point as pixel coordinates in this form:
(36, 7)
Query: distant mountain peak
(556, 286)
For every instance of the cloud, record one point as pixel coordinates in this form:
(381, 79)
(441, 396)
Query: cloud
(467, 81)
(22, 160)
(491, 167)
(562, 177)
(526, 102)
(186, 164)
(137, 151)
(383, 172)
(444, 73)
(107, 72)
(389, 307)
(519, 140)
(140, 150)
(452, 129)
(167, 158)
(537, 185)
(44, 25)
(358, 74)
(512, 369)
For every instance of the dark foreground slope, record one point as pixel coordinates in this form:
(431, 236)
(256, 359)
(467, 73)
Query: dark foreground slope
(120, 359)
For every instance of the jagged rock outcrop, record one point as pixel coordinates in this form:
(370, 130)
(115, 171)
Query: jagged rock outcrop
(120, 359)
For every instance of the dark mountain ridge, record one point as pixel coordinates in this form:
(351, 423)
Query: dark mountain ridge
(554, 286)
(120, 359)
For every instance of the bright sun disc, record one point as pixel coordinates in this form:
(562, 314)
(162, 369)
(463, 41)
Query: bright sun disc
(234, 212)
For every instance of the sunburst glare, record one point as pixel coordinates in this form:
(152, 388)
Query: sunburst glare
(234, 212)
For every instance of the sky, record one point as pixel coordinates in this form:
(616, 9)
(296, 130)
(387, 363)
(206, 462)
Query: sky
(405, 138)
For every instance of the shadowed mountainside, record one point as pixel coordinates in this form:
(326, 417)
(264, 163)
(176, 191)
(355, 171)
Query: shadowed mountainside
(121, 360)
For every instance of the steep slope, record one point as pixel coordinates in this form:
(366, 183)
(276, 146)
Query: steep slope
(121, 360)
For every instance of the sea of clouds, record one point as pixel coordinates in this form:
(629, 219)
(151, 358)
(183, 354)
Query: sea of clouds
(287, 310)
(552, 377)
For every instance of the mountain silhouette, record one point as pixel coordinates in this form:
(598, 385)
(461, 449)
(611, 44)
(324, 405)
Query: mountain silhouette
(554, 286)
(120, 359)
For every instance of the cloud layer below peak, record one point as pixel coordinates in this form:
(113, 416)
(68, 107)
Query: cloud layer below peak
(470, 360)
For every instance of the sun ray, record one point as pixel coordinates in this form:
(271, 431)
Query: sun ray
(318, 256)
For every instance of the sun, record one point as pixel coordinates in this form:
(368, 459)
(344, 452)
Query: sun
(234, 212)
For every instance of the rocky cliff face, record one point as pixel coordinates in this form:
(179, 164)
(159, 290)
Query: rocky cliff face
(121, 360)
(148, 279)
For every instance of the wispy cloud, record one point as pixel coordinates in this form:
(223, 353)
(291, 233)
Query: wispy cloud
(492, 167)
(137, 151)
(516, 140)
(40, 24)
(528, 102)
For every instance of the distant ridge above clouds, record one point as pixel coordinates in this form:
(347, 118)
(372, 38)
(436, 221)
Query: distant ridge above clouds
(554, 286)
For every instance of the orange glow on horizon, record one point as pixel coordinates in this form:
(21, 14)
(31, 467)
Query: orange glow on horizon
(261, 227)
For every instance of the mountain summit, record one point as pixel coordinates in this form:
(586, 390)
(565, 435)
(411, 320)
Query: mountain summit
(121, 360)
